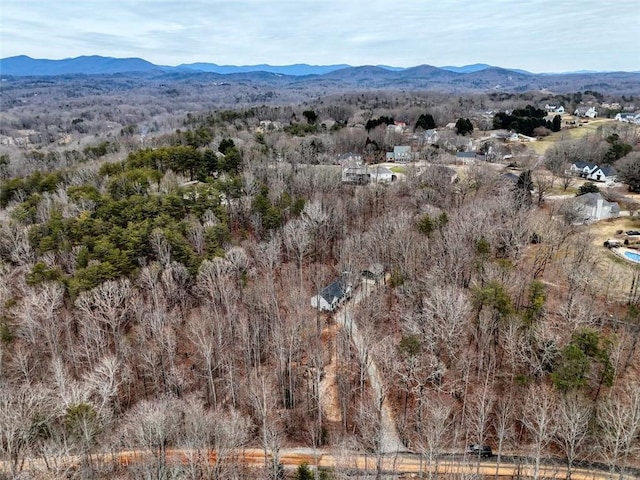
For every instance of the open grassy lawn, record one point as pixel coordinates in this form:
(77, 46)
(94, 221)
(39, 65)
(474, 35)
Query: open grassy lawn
(398, 169)
(541, 146)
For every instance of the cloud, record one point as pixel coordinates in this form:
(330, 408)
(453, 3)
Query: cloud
(540, 35)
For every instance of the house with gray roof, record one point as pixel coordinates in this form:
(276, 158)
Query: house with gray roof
(400, 154)
(628, 117)
(380, 174)
(592, 207)
(356, 175)
(588, 112)
(431, 136)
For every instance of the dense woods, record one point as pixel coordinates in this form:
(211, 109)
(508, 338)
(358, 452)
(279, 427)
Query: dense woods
(156, 282)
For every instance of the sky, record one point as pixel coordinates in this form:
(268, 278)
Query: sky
(534, 35)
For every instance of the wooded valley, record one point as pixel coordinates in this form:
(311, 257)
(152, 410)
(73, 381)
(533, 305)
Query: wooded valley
(160, 252)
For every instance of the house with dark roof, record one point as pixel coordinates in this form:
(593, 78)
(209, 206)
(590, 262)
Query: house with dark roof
(605, 173)
(592, 171)
(582, 169)
(510, 177)
(329, 298)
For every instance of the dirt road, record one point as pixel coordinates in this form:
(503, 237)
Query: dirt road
(397, 463)
(390, 440)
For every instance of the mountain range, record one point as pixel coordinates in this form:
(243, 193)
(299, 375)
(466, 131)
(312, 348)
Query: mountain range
(477, 77)
(23, 65)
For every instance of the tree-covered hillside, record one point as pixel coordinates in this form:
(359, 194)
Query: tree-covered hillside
(159, 297)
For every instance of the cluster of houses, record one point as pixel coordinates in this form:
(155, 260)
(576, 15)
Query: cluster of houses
(584, 111)
(589, 111)
(593, 172)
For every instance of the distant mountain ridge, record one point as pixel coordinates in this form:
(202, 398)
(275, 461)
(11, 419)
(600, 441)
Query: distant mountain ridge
(23, 65)
(478, 77)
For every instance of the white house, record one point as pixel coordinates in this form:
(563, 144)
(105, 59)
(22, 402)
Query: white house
(603, 174)
(554, 108)
(431, 136)
(397, 127)
(591, 171)
(380, 174)
(589, 112)
(331, 297)
(628, 118)
(466, 158)
(582, 169)
(592, 207)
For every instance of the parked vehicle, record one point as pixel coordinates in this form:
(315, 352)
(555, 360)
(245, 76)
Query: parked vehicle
(483, 451)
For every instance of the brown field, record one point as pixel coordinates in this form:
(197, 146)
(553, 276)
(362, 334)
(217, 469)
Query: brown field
(541, 146)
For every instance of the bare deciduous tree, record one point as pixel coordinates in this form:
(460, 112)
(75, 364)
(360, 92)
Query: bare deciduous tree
(106, 307)
(619, 419)
(572, 425)
(153, 425)
(297, 239)
(434, 421)
(538, 414)
(23, 410)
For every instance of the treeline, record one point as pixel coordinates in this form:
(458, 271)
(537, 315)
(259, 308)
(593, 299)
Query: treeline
(526, 120)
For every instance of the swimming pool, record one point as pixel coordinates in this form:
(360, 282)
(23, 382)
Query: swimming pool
(633, 256)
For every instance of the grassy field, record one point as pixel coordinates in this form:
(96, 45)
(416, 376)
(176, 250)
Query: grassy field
(541, 146)
(397, 169)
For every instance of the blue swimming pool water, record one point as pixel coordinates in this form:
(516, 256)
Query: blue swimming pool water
(633, 256)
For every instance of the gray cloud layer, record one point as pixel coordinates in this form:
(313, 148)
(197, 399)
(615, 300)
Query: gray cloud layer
(538, 35)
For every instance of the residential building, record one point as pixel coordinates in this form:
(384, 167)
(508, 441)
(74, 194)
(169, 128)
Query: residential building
(603, 174)
(400, 154)
(628, 118)
(591, 171)
(592, 207)
(331, 296)
(356, 175)
(588, 112)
